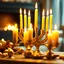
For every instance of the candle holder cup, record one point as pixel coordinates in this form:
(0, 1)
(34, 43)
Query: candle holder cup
(28, 44)
(37, 41)
(50, 54)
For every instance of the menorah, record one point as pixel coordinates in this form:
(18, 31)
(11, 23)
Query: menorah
(38, 39)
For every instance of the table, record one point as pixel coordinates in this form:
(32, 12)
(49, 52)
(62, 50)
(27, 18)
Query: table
(19, 59)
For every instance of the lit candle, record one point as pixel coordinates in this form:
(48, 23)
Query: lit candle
(43, 19)
(55, 35)
(25, 36)
(51, 18)
(5, 29)
(30, 32)
(21, 19)
(14, 34)
(16, 31)
(25, 19)
(9, 27)
(36, 16)
(47, 18)
(29, 19)
(49, 37)
(16, 25)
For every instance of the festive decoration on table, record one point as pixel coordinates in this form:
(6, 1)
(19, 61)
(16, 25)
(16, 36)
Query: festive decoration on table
(26, 35)
(46, 37)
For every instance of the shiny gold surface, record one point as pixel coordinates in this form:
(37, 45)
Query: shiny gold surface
(20, 58)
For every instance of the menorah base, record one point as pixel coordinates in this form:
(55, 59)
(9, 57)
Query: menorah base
(33, 54)
(28, 53)
(50, 55)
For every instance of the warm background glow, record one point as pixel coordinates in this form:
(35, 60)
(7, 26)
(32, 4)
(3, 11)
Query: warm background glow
(24, 11)
(6, 19)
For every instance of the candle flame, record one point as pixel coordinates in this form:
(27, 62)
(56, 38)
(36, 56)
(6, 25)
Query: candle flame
(55, 27)
(16, 25)
(43, 12)
(50, 11)
(5, 29)
(29, 13)
(36, 5)
(49, 31)
(30, 25)
(47, 12)
(9, 27)
(13, 27)
(24, 11)
(25, 29)
(20, 10)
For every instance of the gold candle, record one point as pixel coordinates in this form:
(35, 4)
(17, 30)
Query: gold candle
(47, 18)
(55, 34)
(29, 19)
(49, 37)
(51, 18)
(36, 16)
(21, 19)
(25, 36)
(30, 32)
(25, 19)
(43, 19)
(16, 32)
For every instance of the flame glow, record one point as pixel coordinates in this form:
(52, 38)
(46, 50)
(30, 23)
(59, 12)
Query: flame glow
(5, 29)
(9, 27)
(50, 11)
(20, 11)
(30, 25)
(16, 25)
(24, 11)
(49, 31)
(36, 5)
(29, 13)
(55, 27)
(25, 29)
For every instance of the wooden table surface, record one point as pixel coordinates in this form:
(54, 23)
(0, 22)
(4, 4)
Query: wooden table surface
(19, 59)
